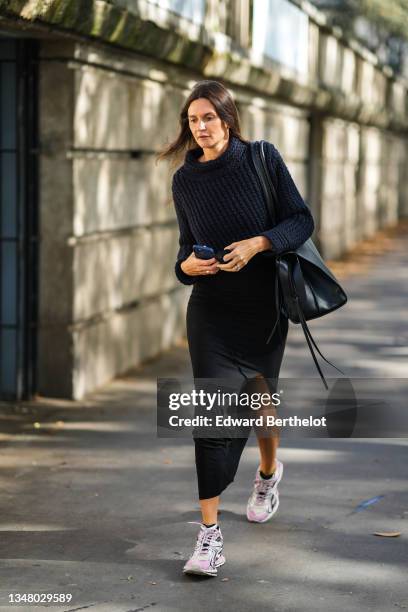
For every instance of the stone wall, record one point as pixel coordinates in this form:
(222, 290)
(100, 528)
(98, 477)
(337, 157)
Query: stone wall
(108, 295)
(109, 298)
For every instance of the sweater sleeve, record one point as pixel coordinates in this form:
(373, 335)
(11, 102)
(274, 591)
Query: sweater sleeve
(186, 239)
(294, 220)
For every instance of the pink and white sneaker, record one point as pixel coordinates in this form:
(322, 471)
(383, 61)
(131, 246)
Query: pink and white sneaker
(207, 555)
(264, 500)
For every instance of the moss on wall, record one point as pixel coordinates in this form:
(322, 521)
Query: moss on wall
(105, 21)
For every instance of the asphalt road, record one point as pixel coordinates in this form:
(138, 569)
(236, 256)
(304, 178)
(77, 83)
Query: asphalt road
(94, 504)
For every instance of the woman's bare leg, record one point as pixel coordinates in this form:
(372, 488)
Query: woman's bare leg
(268, 448)
(268, 440)
(209, 509)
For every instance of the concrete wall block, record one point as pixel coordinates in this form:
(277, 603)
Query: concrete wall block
(294, 137)
(403, 183)
(102, 104)
(332, 225)
(55, 193)
(160, 123)
(388, 207)
(350, 206)
(287, 130)
(153, 114)
(353, 142)
(113, 111)
(56, 283)
(113, 272)
(332, 180)
(398, 98)
(56, 101)
(368, 213)
(299, 173)
(313, 34)
(170, 311)
(124, 340)
(393, 153)
(349, 178)
(371, 144)
(56, 198)
(379, 88)
(389, 184)
(56, 287)
(349, 71)
(332, 214)
(259, 124)
(160, 253)
(334, 140)
(371, 177)
(366, 84)
(331, 232)
(330, 59)
(116, 193)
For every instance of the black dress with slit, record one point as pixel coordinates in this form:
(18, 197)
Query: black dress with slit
(230, 314)
(227, 328)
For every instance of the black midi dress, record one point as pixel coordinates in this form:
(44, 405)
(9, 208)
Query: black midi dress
(228, 324)
(230, 314)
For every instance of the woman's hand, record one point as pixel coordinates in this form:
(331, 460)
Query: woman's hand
(194, 266)
(242, 251)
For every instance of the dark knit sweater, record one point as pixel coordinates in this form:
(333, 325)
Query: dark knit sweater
(221, 201)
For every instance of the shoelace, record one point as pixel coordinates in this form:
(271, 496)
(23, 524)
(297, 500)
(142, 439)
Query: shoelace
(204, 539)
(263, 487)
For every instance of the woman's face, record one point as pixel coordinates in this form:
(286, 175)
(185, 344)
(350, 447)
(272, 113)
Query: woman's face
(206, 126)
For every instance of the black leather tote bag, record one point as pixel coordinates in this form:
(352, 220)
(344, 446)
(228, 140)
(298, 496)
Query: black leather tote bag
(304, 286)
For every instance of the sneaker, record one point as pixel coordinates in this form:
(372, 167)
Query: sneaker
(207, 555)
(264, 500)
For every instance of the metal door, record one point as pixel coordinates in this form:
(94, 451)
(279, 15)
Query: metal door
(18, 218)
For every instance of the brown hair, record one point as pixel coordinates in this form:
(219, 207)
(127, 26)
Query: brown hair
(225, 107)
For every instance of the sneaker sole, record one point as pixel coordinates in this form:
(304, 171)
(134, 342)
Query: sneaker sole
(198, 571)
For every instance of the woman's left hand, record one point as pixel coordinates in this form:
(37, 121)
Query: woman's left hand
(242, 251)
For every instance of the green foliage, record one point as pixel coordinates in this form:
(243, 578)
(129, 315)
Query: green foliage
(392, 15)
(381, 25)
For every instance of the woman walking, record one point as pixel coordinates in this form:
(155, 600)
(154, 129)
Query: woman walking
(231, 310)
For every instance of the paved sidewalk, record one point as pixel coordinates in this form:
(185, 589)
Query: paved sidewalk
(94, 504)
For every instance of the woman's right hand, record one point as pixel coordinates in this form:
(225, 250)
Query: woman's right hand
(194, 266)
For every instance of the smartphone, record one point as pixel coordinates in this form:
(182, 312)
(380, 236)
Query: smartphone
(203, 252)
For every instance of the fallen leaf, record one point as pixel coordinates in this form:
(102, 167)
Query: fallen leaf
(387, 534)
(224, 579)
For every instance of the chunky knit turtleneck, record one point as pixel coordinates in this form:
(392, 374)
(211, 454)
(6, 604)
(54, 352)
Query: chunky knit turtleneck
(221, 201)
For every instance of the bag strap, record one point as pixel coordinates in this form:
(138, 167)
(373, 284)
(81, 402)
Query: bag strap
(259, 161)
(261, 168)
